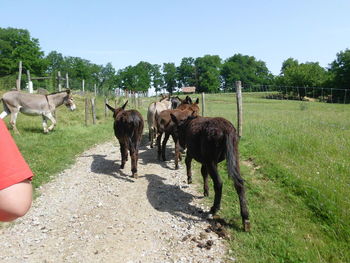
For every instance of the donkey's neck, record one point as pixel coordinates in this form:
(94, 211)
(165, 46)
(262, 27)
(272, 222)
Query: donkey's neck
(57, 99)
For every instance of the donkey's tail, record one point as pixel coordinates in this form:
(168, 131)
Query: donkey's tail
(232, 159)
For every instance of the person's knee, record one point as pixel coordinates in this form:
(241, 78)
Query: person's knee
(15, 201)
(12, 214)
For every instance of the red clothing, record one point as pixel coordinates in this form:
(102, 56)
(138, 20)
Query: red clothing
(13, 168)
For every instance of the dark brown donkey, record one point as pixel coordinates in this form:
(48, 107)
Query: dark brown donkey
(164, 124)
(209, 141)
(128, 127)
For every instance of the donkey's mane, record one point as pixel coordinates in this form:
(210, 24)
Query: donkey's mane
(56, 92)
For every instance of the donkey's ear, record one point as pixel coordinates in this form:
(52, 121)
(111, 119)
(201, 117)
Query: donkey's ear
(110, 107)
(68, 91)
(123, 107)
(189, 100)
(173, 118)
(197, 101)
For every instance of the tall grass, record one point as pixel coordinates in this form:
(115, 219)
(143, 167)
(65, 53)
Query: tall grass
(299, 198)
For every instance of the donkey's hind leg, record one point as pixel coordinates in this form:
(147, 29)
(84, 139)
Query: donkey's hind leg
(13, 121)
(159, 147)
(165, 140)
(134, 158)
(204, 172)
(213, 172)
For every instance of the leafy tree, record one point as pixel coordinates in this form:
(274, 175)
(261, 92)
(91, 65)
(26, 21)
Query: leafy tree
(17, 45)
(55, 62)
(143, 73)
(170, 76)
(340, 70)
(246, 69)
(290, 62)
(208, 73)
(107, 77)
(157, 77)
(309, 74)
(187, 72)
(127, 78)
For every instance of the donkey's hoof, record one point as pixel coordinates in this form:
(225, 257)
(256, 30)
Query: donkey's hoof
(122, 166)
(206, 193)
(135, 176)
(214, 210)
(189, 180)
(246, 225)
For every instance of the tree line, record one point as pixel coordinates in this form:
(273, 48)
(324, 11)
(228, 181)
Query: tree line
(209, 73)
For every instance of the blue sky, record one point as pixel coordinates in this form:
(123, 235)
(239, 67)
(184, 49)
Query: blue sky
(127, 32)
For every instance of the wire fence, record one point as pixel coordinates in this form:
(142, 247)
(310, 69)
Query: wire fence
(315, 94)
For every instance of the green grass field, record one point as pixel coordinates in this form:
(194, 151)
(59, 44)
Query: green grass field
(295, 160)
(298, 183)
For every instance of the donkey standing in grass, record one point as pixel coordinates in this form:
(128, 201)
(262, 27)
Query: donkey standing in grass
(210, 141)
(35, 104)
(128, 127)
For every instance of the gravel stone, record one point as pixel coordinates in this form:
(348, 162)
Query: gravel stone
(95, 212)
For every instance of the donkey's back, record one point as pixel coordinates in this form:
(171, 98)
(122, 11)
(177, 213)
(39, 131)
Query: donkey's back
(128, 124)
(25, 102)
(153, 109)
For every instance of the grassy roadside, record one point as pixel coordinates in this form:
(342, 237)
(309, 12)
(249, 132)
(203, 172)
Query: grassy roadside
(48, 154)
(299, 195)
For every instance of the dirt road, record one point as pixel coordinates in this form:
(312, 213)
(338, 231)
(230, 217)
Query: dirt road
(94, 212)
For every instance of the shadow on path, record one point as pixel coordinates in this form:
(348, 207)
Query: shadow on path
(170, 198)
(101, 165)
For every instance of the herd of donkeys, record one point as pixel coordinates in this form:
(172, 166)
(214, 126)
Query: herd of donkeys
(208, 140)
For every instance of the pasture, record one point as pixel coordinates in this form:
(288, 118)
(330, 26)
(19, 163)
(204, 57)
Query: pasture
(297, 170)
(295, 160)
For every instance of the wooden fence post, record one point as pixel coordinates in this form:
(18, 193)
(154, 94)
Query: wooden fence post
(203, 104)
(83, 85)
(18, 82)
(239, 107)
(59, 81)
(345, 97)
(95, 90)
(86, 111)
(93, 110)
(30, 83)
(67, 81)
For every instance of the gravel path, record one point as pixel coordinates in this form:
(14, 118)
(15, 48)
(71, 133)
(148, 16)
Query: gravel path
(94, 212)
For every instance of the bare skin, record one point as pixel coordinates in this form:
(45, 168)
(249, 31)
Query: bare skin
(15, 201)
